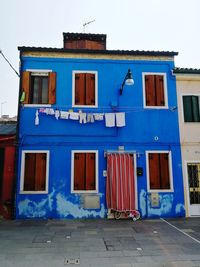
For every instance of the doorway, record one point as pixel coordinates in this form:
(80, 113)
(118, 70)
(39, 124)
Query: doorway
(193, 181)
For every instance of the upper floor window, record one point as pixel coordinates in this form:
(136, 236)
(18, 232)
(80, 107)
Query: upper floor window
(84, 171)
(159, 170)
(34, 171)
(191, 108)
(155, 94)
(39, 87)
(84, 89)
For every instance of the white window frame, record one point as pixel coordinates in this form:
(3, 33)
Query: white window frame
(188, 94)
(165, 90)
(170, 171)
(73, 88)
(96, 171)
(22, 191)
(38, 72)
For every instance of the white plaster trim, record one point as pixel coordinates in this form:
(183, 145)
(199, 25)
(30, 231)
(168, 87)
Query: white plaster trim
(165, 90)
(96, 171)
(42, 71)
(73, 89)
(22, 172)
(37, 105)
(170, 172)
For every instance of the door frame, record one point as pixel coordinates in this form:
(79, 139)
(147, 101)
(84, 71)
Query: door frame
(187, 187)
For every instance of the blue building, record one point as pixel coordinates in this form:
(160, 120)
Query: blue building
(78, 120)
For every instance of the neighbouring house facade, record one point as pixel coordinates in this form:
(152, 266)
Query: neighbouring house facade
(81, 136)
(188, 92)
(7, 167)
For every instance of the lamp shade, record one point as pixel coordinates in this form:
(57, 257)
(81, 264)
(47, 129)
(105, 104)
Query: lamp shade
(129, 78)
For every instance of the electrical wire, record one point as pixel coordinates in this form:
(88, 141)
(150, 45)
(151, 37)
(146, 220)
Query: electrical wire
(9, 63)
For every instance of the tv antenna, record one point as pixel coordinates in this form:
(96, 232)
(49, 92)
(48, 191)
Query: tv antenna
(87, 23)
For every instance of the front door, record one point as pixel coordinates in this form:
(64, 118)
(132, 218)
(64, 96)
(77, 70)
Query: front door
(193, 172)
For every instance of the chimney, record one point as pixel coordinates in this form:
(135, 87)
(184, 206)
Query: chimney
(84, 41)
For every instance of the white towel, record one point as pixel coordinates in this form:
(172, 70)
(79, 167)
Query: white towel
(74, 116)
(110, 119)
(120, 119)
(64, 115)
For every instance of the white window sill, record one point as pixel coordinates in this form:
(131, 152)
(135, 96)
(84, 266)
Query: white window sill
(33, 192)
(37, 105)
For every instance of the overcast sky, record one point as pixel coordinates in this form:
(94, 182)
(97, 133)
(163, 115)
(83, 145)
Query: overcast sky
(171, 25)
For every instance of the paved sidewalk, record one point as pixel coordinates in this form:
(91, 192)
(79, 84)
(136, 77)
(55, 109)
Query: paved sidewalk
(85, 243)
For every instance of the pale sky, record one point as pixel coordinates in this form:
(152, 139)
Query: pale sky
(169, 25)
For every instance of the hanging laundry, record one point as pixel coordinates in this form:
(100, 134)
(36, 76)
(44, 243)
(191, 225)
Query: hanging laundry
(36, 118)
(110, 119)
(64, 115)
(82, 117)
(42, 110)
(90, 118)
(74, 116)
(98, 116)
(49, 111)
(120, 119)
(57, 114)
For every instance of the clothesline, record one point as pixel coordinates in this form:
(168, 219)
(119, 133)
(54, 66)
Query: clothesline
(112, 119)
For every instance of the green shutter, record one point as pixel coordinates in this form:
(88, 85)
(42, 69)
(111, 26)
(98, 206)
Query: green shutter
(187, 108)
(195, 108)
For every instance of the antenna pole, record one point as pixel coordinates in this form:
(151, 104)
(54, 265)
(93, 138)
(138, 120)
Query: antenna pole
(87, 23)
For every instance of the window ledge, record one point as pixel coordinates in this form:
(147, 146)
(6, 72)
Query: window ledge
(37, 105)
(161, 191)
(33, 192)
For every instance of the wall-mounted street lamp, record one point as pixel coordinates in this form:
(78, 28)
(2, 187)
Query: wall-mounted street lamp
(128, 80)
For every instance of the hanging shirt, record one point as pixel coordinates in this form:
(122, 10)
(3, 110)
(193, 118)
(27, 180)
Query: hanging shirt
(120, 119)
(110, 119)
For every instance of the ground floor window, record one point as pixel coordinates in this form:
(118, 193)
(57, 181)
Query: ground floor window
(159, 170)
(34, 171)
(84, 171)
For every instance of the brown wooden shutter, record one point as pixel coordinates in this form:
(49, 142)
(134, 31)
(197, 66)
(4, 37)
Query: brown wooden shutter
(150, 90)
(80, 89)
(160, 98)
(79, 171)
(164, 170)
(29, 172)
(90, 89)
(90, 171)
(52, 88)
(26, 85)
(40, 174)
(154, 171)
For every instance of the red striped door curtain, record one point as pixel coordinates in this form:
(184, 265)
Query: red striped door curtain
(120, 184)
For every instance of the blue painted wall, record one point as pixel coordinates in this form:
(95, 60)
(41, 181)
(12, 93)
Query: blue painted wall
(62, 136)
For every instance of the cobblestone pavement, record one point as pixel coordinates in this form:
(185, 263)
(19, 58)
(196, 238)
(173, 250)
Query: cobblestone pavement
(84, 243)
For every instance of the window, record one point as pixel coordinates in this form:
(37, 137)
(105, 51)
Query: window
(85, 89)
(154, 90)
(84, 171)
(39, 87)
(159, 171)
(34, 171)
(191, 108)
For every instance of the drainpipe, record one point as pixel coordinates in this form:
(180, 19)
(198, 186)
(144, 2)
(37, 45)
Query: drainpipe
(15, 182)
